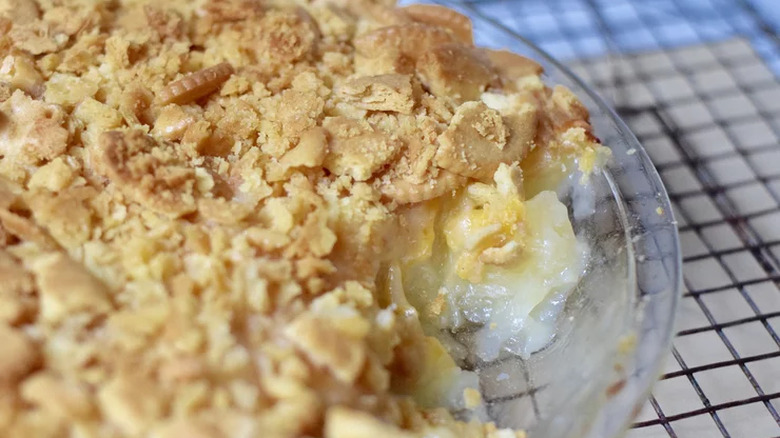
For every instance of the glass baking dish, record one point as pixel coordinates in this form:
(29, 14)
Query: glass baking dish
(616, 330)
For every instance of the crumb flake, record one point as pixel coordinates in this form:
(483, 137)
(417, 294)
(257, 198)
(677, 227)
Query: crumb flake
(356, 148)
(456, 72)
(151, 173)
(391, 92)
(479, 139)
(196, 85)
(435, 15)
(20, 356)
(67, 288)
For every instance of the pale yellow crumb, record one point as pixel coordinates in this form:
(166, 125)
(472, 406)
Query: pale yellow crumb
(472, 398)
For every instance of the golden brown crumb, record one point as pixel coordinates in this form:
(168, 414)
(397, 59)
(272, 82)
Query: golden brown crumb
(21, 355)
(151, 173)
(330, 346)
(173, 122)
(405, 192)
(34, 130)
(310, 151)
(25, 229)
(19, 72)
(478, 140)
(57, 396)
(5, 91)
(17, 300)
(391, 92)
(67, 289)
(196, 85)
(457, 72)
(513, 66)
(436, 15)
(356, 148)
(395, 49)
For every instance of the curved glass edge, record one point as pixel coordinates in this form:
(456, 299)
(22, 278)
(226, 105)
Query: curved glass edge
(652, 229)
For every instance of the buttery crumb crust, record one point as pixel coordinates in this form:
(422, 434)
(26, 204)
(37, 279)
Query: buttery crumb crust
(196, 198)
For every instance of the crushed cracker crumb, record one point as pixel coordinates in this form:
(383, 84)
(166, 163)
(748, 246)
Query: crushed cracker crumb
(196, 199)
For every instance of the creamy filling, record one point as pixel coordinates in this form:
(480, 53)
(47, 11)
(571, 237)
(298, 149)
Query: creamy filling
(487, 272)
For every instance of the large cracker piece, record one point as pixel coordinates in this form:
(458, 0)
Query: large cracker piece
(478, 140)
(149, 172)
(456, 72)
(357, 149)
(396, 49)
(389, 92)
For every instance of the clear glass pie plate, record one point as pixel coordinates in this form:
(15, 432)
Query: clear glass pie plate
(616, 329)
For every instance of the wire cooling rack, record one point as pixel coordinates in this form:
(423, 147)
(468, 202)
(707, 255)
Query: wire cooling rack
(697, 83)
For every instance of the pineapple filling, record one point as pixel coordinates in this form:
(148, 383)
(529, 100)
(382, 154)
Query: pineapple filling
(487, 271)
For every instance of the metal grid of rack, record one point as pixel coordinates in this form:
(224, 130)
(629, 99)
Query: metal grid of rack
(697, 82)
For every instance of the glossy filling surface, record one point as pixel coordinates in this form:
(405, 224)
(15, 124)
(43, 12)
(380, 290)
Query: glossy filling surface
(488, 271)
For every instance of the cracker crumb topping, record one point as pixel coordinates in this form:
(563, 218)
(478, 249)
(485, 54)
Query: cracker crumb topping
(196, 199)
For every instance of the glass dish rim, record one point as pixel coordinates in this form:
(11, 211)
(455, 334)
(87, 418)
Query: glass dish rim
(653, 177)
